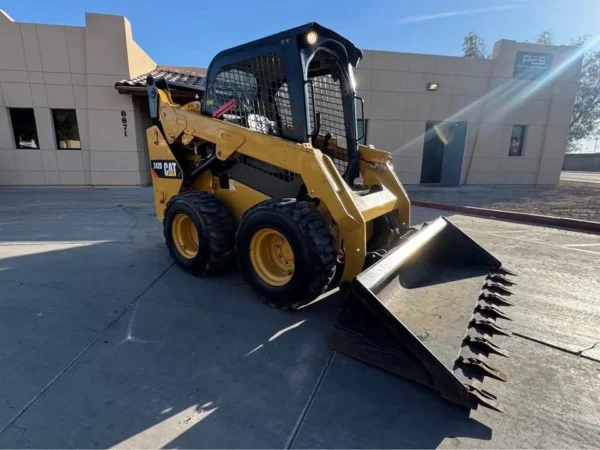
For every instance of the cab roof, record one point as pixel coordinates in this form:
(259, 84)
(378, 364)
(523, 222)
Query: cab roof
(354, 53)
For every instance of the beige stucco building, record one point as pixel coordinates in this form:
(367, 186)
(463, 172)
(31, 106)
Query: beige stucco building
(45, 68)
(485, 94)
(73, 109)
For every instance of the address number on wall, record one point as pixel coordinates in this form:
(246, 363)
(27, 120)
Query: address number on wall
(124, 122)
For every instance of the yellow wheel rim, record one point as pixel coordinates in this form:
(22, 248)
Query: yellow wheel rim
(272, 257)
(185, 236)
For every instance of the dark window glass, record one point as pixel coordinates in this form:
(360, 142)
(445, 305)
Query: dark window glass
(362, 125)
(66, 129)
(517, 139)
(24, 129)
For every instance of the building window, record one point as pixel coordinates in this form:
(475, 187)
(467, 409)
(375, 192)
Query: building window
(362, 125)
(66, 129)
(24, 128)
(517, 140)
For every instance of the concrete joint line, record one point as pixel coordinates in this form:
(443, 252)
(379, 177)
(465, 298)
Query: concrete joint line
(581, 353)
(135, 223)
(23, 431)
(556, 347)
(309, 402)
(80, 354)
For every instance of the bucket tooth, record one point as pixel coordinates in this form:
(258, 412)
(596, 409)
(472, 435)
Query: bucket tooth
(485, 344)
(503, 271)
(491, 297)
(498, 288)
(499, 278)
(481, 367)
(483, 398)
(490, 326)
(492, 310)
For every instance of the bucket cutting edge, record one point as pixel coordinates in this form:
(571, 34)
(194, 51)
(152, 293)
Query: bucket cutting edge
(428, 311)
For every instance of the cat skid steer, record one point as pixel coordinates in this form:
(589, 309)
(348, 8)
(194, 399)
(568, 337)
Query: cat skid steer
(266, 167)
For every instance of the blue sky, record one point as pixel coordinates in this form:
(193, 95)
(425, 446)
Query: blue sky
(420, 26)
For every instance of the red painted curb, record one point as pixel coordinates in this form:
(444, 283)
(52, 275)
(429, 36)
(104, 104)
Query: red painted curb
(577, 224)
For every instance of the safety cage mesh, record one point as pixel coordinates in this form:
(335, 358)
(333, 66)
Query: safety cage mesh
(325, 97)
(259, 87)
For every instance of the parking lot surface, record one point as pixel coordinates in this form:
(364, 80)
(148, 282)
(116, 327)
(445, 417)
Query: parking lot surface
(582, 177)
(104, 342)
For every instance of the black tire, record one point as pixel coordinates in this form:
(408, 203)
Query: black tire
(216, 232)
(310, 240)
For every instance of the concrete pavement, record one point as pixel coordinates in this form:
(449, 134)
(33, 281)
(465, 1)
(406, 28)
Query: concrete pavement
(581, 177)
(106, 343)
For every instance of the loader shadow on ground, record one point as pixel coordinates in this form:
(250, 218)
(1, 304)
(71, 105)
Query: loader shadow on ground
(193, 363)
(189, 351)
(378, 410)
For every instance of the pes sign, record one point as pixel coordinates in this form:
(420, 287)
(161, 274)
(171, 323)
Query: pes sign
(531, 65)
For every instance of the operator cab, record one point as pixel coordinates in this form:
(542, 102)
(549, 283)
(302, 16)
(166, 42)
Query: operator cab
(298, 85)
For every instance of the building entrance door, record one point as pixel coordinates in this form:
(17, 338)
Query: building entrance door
(443, 152)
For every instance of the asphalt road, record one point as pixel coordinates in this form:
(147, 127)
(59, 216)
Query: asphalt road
(106, 343)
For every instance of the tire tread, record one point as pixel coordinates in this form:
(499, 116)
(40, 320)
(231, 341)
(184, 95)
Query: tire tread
(219, 224)
(317, 238)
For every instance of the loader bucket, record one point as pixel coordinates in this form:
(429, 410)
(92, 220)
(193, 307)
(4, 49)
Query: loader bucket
(427, 311)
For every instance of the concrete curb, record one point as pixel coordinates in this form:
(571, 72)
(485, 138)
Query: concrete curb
(575, 224)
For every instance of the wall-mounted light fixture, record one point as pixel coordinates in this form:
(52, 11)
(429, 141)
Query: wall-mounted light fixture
(433, 86)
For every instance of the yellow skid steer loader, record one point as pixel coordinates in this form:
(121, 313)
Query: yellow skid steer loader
(266, 168)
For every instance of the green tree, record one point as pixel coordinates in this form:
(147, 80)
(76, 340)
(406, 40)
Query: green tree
(586, 110)
(474, 46)
(545, 38)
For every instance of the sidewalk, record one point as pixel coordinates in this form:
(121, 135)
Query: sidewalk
(581, 177)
